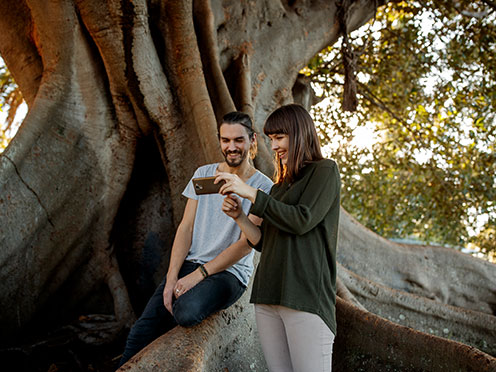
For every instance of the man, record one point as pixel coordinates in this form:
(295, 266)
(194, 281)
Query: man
(211, 261)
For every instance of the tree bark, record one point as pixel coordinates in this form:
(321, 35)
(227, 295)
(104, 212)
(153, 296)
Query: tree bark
(124, 99)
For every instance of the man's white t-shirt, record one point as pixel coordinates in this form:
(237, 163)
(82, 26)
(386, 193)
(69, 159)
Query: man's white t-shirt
(214, 230)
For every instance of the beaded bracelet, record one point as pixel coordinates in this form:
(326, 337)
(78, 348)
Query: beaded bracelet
(203, 271)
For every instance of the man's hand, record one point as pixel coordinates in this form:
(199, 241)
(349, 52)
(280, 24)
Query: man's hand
(187, 282)
(168, 293)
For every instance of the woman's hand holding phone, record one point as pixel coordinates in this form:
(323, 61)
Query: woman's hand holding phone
(206, 185)
(235, 185)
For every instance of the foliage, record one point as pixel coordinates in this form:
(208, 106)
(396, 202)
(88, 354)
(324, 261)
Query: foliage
(427, 86)
(10, 100)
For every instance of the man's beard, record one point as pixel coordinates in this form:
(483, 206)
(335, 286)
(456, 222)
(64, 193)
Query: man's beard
(235, 163)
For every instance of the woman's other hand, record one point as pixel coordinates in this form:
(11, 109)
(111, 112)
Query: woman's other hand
(232, 206)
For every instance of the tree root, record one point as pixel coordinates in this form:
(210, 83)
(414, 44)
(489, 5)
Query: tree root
(441, 274)
(425, 315)
(97, 329)
(367, 342)
(343, 292)
(122, 304)
(226, 339)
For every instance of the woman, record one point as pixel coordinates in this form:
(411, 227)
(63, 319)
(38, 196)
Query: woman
(294, 289)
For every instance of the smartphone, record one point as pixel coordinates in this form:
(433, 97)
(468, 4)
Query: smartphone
(206, 185)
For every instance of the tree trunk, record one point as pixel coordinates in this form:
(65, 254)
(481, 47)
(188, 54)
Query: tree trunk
(123, 99)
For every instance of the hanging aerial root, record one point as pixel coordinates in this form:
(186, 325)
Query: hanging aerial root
(243, 89)
(350, 101)
(186, 75)
(104, 24)
(18, 48)
(207, 41)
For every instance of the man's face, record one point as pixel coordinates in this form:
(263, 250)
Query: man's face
(234, 143)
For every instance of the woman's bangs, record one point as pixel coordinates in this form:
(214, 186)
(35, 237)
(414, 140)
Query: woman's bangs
(275, 124)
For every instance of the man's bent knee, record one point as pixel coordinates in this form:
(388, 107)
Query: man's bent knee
(188, 313)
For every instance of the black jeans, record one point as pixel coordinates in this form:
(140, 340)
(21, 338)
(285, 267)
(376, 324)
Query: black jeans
(212, 294)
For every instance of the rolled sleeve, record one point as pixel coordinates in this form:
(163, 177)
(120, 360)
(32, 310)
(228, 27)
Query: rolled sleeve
(261, 201)
(258, 246)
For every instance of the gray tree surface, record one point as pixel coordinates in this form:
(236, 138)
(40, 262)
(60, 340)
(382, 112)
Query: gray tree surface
(123, 101)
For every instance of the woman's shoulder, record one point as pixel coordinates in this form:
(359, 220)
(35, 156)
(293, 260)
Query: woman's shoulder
(327, 162)
(323, 163)
(323, 169)
(320, 168)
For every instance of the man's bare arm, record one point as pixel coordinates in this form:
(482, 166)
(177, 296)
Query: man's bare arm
(233, 253)
(180, 249)
(224, 260)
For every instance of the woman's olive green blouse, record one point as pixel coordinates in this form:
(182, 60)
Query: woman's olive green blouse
(297, 266)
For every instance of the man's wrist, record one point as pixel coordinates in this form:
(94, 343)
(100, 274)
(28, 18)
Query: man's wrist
(203, 271)
(171, 278)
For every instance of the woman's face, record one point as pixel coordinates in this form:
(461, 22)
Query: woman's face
(280, 145)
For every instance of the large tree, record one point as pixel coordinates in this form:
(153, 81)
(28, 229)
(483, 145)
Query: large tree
(123, 101)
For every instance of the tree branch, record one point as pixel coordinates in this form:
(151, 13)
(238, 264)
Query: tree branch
(492, 4)
(479, 15)
(376, 101)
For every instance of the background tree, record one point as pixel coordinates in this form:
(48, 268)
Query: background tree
(123, 100)
(426, 83)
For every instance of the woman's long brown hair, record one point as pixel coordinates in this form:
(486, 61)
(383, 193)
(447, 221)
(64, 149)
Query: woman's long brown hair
(304, 146)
